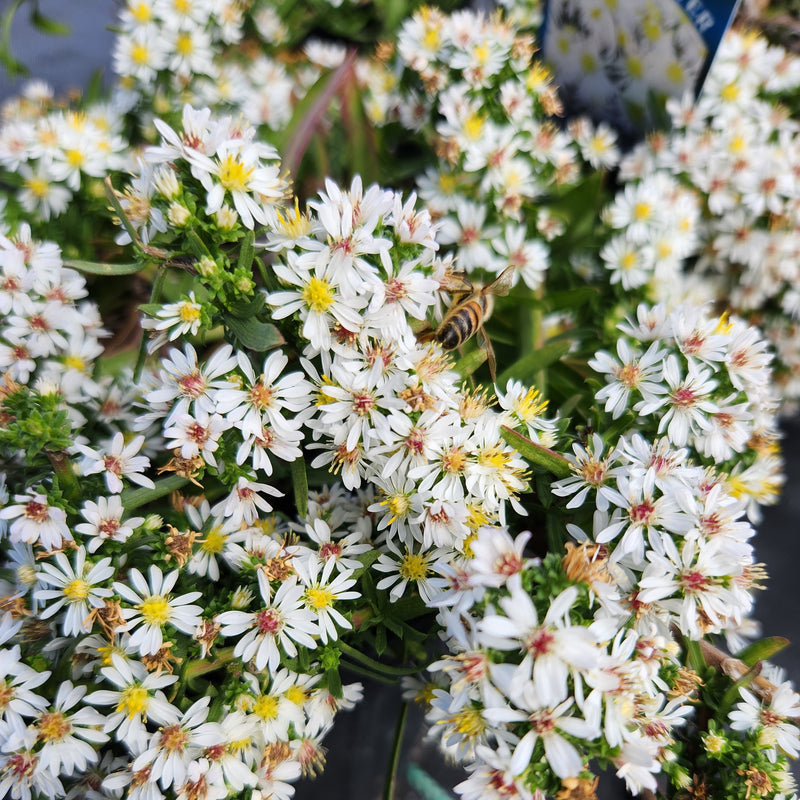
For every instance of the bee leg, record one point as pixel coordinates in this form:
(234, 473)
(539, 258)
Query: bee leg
(487, 346)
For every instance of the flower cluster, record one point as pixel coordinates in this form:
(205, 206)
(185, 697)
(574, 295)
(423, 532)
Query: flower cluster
(545, 674)
(703, 382)
(501, 156)
(738, 150)
(55, 157)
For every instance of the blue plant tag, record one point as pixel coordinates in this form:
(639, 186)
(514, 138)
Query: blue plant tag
(619, 61)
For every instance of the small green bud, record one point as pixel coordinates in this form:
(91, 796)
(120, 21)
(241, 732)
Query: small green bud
(153, 522)
(178, 215)
(206, 267)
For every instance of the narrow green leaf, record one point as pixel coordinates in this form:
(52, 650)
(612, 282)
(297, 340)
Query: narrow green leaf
(380, 640)
(133, 498)
(425, 785)
(96, 268)
(536, 454)
(14, 67)
(48, 25)
(467, 364)
(527, 366)
(694, 656)
(300, 486)
(197, 245)
(732, 694)
(253, 334)
(250, 308)
(309, 113)
(334, 681)
(248, 251)
(762, 650)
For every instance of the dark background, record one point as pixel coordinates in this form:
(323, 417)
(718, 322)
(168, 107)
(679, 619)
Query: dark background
(360, 743)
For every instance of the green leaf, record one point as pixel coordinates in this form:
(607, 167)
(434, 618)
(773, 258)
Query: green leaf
(197, 245)
(334, 681)
(300, 485)
(762, 650)
(96, 268)
(309, 113)
(11, 64)
(248, 251)
(380, 640)
(249, 309)
(694, 656)
(467, 364)
(527, 366)
(536, 454)
(48, 25)
(133, 498)
(253, 334)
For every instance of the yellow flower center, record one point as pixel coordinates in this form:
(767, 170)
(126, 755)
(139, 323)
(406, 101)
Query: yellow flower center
(642, 210)
(133, 701)
(233, 175)
(729, 93)
(398, 505)
(296, 695)
(155, 610)
(473, 126)
(77, 590)
(675, 72)
(318, 295)
(469, 722)
(189, 312)
(74, 158)
(493, 457)
(213, 541)
(266, 707)
(140, 54)
(413, 567)
(141, 12)
(39, 187)
(184, 44)
(318, 597)
(75, 362)
(53, 727)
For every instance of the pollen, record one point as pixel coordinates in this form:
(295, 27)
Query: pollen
(141, 12)
(213, 542)
(184, 44)
(76, 363)
(399, 504)
(296, 695)
(266, 707)
(413, 567)
(319, 598)
(189, 312)
(318, 295)
(174, 738)
(155, 610)
(53, 727)
(296, 224)
(233, 175)
(77, 590)
(39, 187)
(469, 722)
(133, 701)
(473, 126)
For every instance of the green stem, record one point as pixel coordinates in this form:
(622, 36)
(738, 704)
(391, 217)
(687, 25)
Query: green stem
(384, 669)
(391, 773)
(367, 673)
(155, 296)
(62, 467)
(532, 337)
(204, 666)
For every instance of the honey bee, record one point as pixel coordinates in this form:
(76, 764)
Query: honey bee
(472, 307)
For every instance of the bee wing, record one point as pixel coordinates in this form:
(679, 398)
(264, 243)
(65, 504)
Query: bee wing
(502, 284)
(456, 283)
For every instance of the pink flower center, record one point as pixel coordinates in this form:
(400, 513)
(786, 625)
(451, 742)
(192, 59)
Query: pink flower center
(268, 621)
(540, 642)
(192, 385)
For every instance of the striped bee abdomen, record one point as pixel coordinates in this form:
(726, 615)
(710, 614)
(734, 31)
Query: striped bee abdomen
(461, 323)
